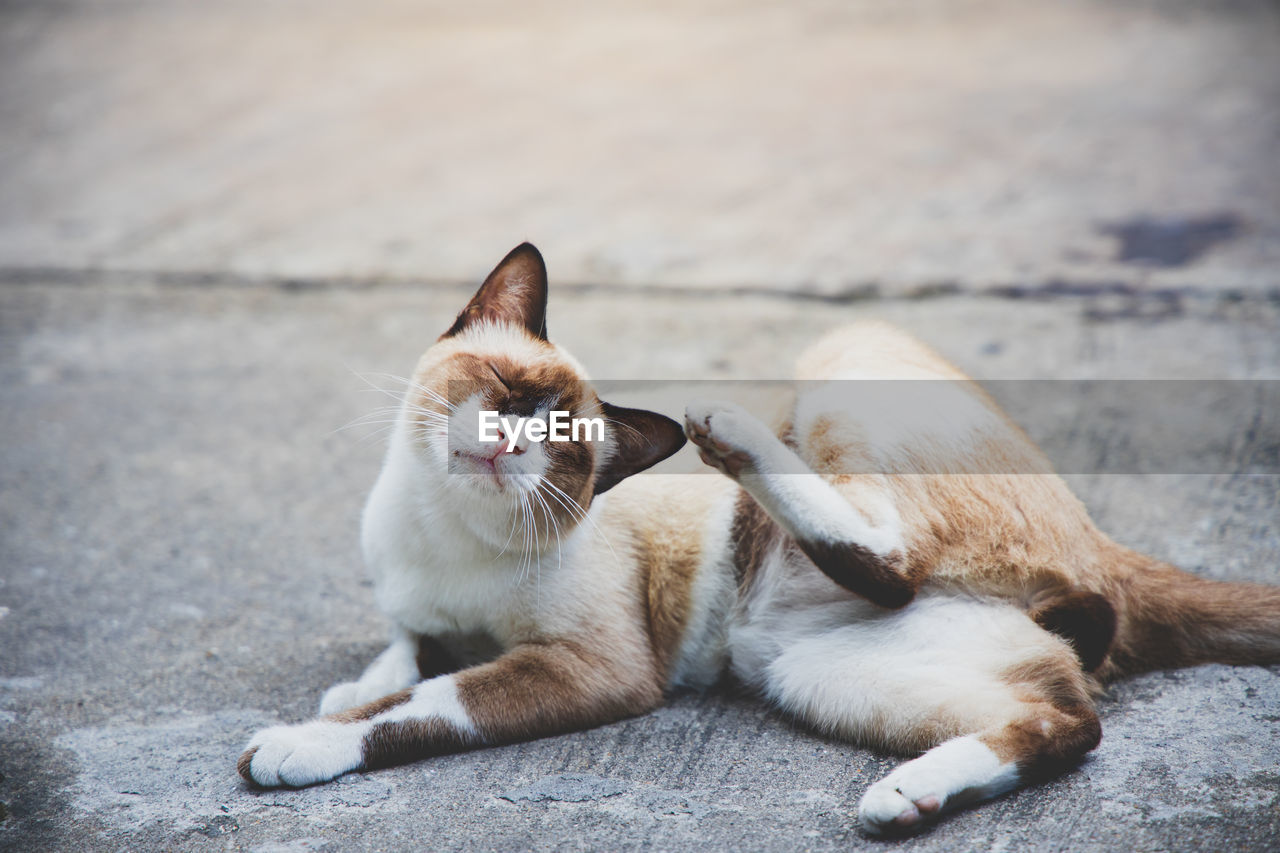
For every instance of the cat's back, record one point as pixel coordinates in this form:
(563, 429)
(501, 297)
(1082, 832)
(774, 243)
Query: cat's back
(872, 349)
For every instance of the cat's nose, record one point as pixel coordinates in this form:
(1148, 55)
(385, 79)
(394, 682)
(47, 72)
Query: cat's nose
(505, 446)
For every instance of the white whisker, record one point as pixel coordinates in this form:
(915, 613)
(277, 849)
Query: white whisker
(583, 516)
(409, 383)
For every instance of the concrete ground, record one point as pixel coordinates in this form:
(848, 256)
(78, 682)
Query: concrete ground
(180, 567)
(218, 222)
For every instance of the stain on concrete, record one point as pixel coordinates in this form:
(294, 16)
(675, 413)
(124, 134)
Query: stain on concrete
(216, 826)
(1171, 242)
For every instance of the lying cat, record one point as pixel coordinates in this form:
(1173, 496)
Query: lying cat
(970, 616)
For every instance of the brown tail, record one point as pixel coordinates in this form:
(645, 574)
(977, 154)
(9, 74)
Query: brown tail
(1167, 618)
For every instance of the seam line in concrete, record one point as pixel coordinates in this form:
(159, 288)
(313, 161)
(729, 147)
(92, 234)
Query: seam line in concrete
(1048, 289)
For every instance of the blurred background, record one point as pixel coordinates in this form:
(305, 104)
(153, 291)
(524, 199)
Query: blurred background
(828, 145)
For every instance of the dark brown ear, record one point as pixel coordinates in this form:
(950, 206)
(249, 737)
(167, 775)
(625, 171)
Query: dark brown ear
(515, 292)
(641, 439)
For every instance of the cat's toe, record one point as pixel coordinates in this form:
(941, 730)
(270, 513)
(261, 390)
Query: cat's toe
(885, 810)
(302, 755)
(339, 698)
(725, 434)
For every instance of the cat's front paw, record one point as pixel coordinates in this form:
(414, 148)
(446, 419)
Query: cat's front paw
(340, 697)
(727, 435)
(885, 809)
(302, 755)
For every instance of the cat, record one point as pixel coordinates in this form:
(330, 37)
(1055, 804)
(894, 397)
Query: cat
(969, 618)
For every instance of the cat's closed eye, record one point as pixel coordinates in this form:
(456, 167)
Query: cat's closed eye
(502, 381)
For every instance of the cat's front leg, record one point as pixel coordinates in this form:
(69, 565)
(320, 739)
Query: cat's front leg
(534, 690)
(394, 669)
(862, 553)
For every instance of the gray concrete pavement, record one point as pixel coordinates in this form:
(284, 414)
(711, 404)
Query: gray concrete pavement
(180, 567)
(816, 145)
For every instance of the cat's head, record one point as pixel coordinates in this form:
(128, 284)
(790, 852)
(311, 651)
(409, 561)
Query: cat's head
(496, 359)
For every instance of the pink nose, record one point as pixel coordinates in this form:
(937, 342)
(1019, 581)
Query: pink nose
(500, 448)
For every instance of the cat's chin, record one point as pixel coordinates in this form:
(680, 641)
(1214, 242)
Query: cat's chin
(476, 470)
(482, 483)
(486, 475)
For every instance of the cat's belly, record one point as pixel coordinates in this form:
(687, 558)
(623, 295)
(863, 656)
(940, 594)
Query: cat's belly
(793, 605)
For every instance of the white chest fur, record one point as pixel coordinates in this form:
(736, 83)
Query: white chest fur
(433, 575)
(430, 576)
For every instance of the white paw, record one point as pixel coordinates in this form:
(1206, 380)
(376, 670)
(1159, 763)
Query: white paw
(962, 770)
(729, 438)
(888, 806)
(340, 697)
(303, 755)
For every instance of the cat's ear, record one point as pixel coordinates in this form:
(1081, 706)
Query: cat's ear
(515, 293)
(641, 439)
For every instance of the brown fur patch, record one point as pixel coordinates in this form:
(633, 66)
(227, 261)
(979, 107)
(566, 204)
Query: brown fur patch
(1058, 725)
(666, 571)
(1047, 740)
(1056, 680)
(886, 581)
(372, 709)
(1084, 619)
(1170, 618)
(532, 691)
(832, 451)
(754, 535)
(547, 688)
(400, 742)
(522, 386)
(242, 766)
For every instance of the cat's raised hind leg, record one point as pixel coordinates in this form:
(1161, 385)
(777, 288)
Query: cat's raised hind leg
(859, 547)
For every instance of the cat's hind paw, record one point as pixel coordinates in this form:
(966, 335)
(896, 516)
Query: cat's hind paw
(963, 770)
(302, 755)
(727, 436)
(886, 810)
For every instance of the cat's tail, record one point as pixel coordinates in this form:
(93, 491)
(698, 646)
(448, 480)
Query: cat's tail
(1166, 617)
